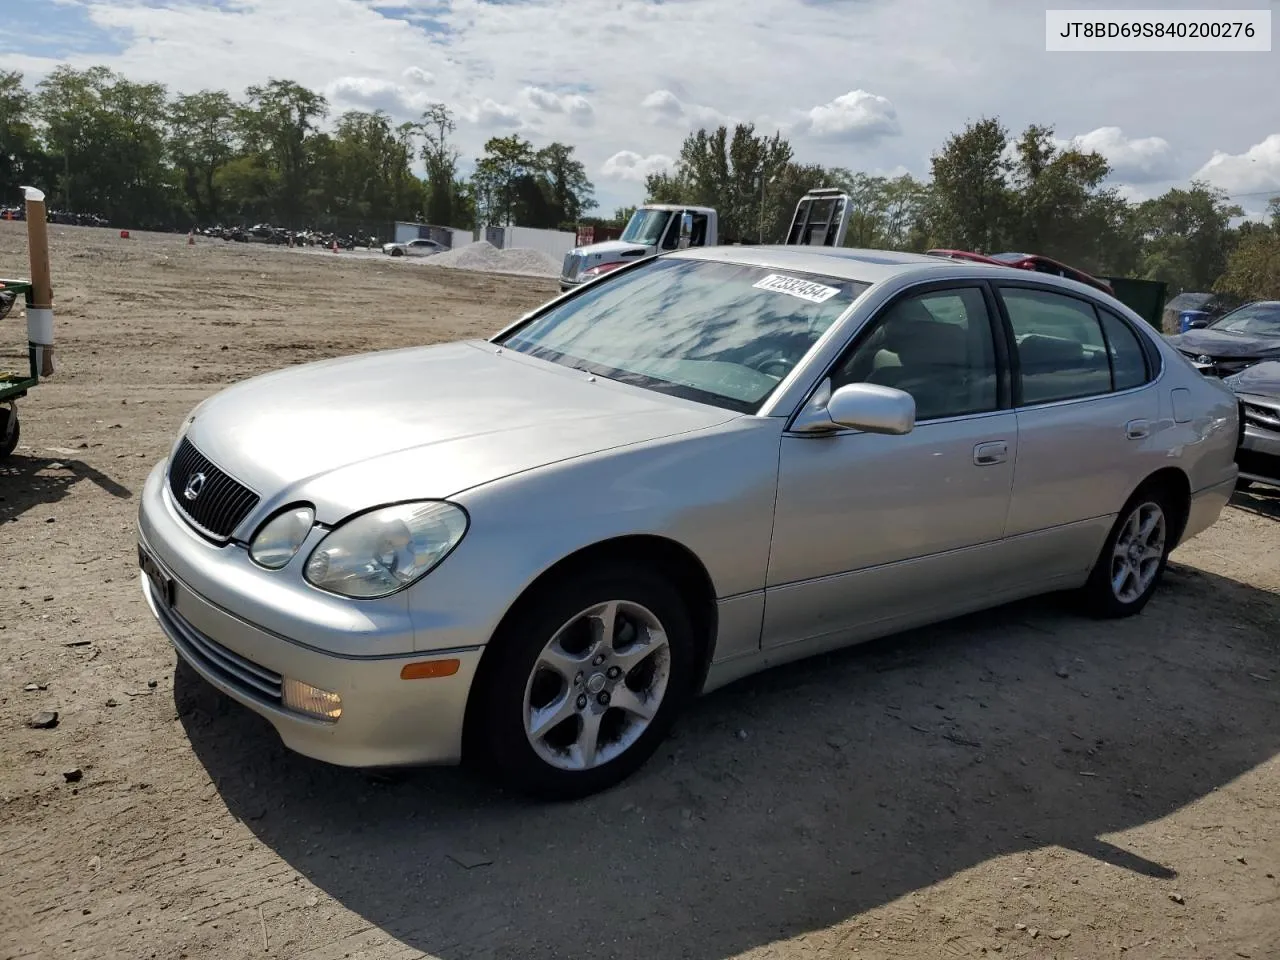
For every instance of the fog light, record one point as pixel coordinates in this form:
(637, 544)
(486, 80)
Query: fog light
(307, 699)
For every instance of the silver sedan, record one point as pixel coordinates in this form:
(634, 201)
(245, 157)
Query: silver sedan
(532, 551)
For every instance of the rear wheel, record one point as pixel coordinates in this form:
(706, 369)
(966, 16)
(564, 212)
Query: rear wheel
(1134, 557)
(584, 683)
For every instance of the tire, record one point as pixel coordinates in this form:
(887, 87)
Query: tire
(9, 441)
(528, 673)
(1145, 561)
(397, 252)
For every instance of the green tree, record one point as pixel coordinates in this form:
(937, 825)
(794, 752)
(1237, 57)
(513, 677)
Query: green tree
(279, 124)
(971, 197)
(201, 142)
(22, 161)
(571, 193)
(1253, 268)
(441, 160)
(506, 162)
(1186, 236)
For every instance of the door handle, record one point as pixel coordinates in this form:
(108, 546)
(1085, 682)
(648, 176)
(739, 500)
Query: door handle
(993, 451)
(1137, 429)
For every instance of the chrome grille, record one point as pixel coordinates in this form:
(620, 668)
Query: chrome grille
(214, 505)
(1260, 416)
(572, 263)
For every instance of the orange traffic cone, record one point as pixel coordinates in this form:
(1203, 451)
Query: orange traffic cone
(191, 238)
(335, 246)
(124, 234)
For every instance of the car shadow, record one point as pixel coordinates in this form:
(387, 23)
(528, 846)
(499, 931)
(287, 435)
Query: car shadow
(797, 798)
(1258, 499)
(28, 482)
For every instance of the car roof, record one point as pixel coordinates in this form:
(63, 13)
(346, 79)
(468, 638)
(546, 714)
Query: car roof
(849, 263)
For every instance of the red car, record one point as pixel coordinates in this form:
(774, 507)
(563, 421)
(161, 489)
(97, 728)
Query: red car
(1027, 261)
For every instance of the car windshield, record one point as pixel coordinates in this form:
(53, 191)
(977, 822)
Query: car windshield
(1254, 319)
(719, 333)
(646, 226)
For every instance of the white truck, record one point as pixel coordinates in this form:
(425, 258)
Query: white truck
(820, 219)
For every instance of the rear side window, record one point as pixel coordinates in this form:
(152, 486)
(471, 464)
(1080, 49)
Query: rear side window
(1062, 353)
(1128, 360)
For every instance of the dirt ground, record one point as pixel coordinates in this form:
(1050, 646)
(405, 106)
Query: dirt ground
(1022, 782)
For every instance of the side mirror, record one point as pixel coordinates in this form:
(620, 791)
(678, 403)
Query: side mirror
(686, 230)
(858, 406)
(1198, 324)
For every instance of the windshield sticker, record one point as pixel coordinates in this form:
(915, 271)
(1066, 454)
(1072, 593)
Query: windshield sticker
(795, 287)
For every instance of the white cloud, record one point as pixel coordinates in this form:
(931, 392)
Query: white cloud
(629, 165)
(664, 107)
(1132, 159)
(419, 76)
(573, 105)
(652, 72)
(490, 113)
(1254, 171)
(370, 93)
(853, 116)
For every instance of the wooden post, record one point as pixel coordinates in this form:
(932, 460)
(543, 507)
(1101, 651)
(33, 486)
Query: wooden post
(40, 306)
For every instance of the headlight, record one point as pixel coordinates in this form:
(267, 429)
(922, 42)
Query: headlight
(281, 537)
(378, 553)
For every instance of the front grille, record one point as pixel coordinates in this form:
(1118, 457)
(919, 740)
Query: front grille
(219, 503)
(572, 261)
(240, 673)
(1264, 417)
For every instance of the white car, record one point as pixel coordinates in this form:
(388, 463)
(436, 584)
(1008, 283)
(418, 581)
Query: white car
(413, 248)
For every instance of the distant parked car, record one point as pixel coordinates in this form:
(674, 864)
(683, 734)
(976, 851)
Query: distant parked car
(1258, 388)
(1236, 340)
(414, 248)
(533, 550)
(1028, 261)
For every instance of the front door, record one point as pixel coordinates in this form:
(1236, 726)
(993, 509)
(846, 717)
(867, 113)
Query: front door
(871, 529)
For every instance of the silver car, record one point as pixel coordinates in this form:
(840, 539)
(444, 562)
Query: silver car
(530, 552)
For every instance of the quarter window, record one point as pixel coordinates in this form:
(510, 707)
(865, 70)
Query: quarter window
(1128, 360)
(1062, 353)
(936, 346)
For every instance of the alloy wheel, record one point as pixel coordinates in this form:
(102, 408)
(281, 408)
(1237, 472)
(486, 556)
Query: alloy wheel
(597, 685)
(1138, 552)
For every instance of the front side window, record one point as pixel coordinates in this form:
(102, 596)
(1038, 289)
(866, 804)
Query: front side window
(937, 346)
(1062, 353)
(720, 333)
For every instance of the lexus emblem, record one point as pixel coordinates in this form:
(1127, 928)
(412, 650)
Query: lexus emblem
(1204, 358)
(195, 483)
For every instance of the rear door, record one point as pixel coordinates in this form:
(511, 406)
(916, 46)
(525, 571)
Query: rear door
(1087, 412)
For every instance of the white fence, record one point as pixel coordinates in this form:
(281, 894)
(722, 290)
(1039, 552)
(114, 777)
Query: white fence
(554, 243)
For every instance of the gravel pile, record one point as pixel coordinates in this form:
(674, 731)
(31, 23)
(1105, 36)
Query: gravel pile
(485, 257)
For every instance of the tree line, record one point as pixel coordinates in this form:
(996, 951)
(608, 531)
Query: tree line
(141, 156)
(988, 192)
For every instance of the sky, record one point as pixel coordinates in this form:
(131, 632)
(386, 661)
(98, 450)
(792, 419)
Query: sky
(870, 85)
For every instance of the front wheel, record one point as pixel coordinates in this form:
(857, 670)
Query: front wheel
(1134, 557)
(584, 683)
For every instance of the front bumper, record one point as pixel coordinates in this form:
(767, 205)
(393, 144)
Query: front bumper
(385, 720)
(567, 284)
(1259, 455)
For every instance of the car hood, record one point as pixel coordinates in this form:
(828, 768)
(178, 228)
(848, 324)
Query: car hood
(1217, 343)
(423, 422)
(1261, 380)
(609, 250)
